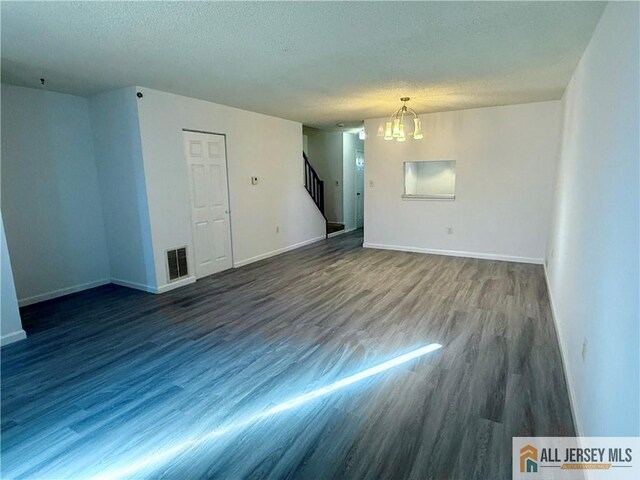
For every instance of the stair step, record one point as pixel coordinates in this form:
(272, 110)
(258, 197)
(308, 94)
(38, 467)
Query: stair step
(334, 227)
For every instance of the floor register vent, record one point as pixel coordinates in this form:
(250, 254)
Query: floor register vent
(177, 263)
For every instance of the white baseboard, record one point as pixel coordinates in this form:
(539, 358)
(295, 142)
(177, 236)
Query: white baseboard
(174, 285)
(456, 253)
(341, 232)
(134, 285)
(61, 292)
(12, 337)
(117, 281)
(151, 289)
(567, 373)
(278, 251)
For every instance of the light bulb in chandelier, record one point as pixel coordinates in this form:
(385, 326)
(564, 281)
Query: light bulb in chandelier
(396, 127)
(388, 134)
(401, 137)
(417, 129)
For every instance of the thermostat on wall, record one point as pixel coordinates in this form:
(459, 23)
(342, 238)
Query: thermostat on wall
(254, 180)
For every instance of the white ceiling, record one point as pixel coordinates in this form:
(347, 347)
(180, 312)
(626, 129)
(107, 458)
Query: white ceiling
(317, 63)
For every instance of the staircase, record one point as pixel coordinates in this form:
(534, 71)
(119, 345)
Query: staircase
(334, 227)
(315, 187)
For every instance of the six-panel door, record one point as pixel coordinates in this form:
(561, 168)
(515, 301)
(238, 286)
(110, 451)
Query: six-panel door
(206, 159)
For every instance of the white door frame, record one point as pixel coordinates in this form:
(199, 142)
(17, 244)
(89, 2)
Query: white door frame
(226, 161)
(355, 166)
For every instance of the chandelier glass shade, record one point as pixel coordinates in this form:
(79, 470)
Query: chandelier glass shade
(394, 128)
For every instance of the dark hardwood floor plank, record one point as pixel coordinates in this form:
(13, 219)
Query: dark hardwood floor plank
(111, 378)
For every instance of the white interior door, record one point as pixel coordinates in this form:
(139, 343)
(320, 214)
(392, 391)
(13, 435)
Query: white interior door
(359, 188)
(210, 221)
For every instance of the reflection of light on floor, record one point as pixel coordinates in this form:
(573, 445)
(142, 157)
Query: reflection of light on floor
(281, 407)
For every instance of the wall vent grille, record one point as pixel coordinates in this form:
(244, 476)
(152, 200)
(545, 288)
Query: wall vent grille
(177, 263)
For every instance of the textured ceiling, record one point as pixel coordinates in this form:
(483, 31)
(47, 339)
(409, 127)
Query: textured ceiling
(318, 63)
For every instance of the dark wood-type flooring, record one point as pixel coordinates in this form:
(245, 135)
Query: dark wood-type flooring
(114, 381)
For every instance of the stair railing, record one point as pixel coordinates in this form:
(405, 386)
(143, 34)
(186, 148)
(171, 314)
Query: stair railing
(314, 186)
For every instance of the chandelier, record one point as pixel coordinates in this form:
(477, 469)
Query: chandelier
(394, 128)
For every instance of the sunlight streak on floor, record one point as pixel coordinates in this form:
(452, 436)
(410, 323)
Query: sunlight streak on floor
(281, 407)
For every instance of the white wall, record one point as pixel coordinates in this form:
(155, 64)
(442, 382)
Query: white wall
(10, 323)
(50, 196)
(257, 145)
(505, 164)
(350, 143)
(593, 265)
(116, 137)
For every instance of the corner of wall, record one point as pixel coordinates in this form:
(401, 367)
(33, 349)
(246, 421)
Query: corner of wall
(565, 365)
(12, 337)
(10, 322)
(116, 136)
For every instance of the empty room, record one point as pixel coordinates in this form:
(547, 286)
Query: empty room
(320, 240)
